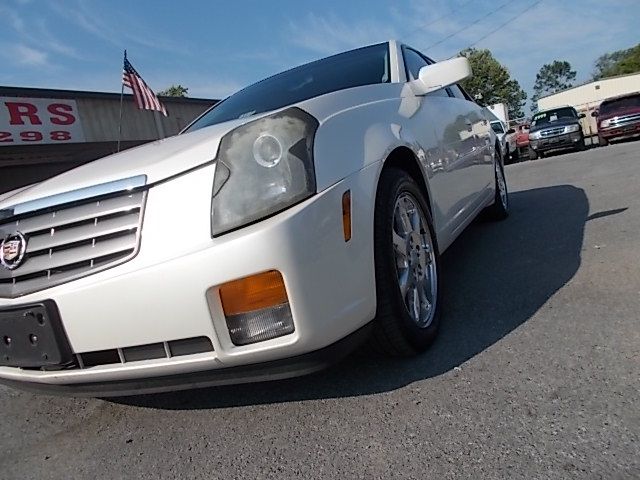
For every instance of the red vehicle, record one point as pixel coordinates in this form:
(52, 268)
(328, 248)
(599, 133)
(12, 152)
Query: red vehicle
(522, 139)
(618, 118)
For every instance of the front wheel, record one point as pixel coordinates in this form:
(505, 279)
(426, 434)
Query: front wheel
(407, 268)
(533, 155)
(500, 208)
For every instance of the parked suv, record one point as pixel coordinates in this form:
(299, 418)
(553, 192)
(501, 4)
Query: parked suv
(618, 118)
(555, 129)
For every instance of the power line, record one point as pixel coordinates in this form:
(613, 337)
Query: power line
(502, 25)
(468, 26)
(436, 20)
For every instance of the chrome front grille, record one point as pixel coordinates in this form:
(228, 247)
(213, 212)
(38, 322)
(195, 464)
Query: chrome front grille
(72, 241)
(624, 120)
(552, 132)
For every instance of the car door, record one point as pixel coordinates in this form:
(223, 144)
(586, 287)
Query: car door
(480, 174)
(452, 158)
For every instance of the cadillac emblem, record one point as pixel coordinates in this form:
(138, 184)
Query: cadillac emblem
(12, 250)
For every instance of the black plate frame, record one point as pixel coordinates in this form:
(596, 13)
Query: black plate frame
(32, 336)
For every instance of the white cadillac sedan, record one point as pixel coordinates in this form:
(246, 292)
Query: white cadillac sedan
(293, 220)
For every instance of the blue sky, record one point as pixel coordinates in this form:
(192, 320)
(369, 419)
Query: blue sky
(216, 47)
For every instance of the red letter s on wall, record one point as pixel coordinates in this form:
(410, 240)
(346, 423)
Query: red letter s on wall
(61, 114)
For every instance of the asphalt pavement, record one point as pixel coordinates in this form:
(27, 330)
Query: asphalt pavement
(535, 374)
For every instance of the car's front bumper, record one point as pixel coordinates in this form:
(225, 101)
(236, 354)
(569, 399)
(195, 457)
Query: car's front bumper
(559, 142)
(169, 291)
(618, 133)
(260, 372)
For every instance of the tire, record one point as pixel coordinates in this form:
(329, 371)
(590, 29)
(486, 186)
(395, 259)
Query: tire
(603, 142)
(500, 208)
(533, 155)
(581, 146)
(515, 155)
(396, 331)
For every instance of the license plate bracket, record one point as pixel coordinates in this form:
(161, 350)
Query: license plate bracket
(32, 336)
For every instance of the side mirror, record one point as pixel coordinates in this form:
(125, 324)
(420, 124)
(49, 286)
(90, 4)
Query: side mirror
(510, 131)
(440, 75)
(594, 113)
(582, 115)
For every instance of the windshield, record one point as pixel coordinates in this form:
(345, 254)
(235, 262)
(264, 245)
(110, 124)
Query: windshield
(497, 127)
(620, 104)
(364, 66)
(553, 115)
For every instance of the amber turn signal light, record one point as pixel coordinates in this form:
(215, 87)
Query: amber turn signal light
(257, 292)
(346, 215)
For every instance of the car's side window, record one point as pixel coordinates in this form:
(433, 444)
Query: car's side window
(457, 92)
(413, 62)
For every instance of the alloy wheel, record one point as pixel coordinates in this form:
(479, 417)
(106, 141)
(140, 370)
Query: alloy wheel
(415, 259)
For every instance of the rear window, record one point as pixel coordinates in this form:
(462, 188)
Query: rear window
(620, 104)
(364, 66)
(497, 127)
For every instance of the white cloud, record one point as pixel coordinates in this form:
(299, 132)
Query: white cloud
(119, 31)
(37, 34)
(331, 34)
(28, 56)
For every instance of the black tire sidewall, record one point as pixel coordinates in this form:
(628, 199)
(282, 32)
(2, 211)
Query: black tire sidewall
(390, 301)
(503, 210)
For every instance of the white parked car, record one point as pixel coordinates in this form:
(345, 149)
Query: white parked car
(507, 138)
(292, 220)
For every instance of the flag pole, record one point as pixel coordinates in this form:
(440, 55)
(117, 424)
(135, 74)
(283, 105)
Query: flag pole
(120, 119)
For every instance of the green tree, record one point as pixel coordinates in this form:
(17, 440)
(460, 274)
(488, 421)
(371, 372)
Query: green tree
(620, 62)
(552, 78)
(492, 83)
(174, 91)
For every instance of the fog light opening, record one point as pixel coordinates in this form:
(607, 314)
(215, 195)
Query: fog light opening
(256, 308)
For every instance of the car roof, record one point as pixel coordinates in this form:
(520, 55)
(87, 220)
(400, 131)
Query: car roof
(554, 108)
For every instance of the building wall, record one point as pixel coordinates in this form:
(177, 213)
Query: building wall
(587, 98)
(29, 152)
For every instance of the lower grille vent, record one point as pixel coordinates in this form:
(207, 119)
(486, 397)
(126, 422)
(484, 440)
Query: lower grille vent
(174, 348)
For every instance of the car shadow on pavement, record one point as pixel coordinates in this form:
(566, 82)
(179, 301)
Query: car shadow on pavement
(496, 276)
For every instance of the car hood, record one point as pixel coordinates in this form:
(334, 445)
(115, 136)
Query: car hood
(619, 112)
(561, 122)
(157, 161)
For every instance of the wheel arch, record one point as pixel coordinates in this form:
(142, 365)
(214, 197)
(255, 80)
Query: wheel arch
(405, 159)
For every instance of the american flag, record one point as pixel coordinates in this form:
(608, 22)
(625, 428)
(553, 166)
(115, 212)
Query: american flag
(143, 95)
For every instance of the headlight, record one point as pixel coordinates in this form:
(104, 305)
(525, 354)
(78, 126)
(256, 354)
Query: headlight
(262, 168)
(605, 123)
(534, 136)
(571, 128)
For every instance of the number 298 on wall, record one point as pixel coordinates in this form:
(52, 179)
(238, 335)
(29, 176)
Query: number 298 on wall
(35, 121)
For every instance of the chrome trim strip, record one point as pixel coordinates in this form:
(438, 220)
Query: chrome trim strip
(624, 121)
(59, 199)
